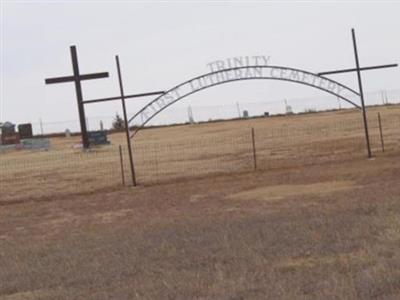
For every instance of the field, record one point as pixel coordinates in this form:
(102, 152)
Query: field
(170, 153)
(316, 220)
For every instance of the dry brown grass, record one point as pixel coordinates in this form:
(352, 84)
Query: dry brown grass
(210, 239)
(196, 150)
(305, 231)
(282, 191)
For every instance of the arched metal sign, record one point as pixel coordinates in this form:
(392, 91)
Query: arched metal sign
(211, 79)
(239, 72)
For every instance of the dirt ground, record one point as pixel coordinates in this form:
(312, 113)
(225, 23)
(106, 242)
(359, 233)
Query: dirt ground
(328, 231)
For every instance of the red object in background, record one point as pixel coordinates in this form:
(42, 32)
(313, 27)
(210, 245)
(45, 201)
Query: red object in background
(11, 139)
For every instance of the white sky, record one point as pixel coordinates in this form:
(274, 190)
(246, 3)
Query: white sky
(161, 44)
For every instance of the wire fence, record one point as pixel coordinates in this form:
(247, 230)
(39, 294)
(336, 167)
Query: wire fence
(46, 174)
(186, 114)
(276, 147)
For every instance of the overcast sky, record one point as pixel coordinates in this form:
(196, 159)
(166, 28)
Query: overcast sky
(161, 44)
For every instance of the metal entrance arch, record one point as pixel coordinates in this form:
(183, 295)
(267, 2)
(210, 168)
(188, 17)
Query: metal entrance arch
(215, 78)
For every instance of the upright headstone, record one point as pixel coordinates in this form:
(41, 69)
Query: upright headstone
(67, 133)
(98, 138)
(7, 128)
(288, 108)
(25, 131)
(190, 115)
(8, 134)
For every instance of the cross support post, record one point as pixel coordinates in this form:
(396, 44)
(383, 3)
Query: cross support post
(364, 112)
(128, 140)
(79, 97)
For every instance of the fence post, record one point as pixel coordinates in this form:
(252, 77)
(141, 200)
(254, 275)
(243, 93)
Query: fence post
(254, 148)
(122, 165)
(381, 132)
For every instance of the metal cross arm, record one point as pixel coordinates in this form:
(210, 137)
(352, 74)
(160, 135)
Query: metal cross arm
(72, 78)
(361, 69)
(126, 97)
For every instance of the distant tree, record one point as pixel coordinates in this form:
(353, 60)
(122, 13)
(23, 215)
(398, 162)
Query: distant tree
(118, 122)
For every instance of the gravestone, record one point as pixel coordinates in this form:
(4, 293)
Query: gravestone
(10, 139)
(25, 131)
(5, 148)
(98, 137)
(7, 128)
(36, 144)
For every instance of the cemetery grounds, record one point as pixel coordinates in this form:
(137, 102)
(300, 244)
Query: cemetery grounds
(316, 220)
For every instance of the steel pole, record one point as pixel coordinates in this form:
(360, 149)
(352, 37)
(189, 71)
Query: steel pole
(361, 95)
(128, 140)
(381, 132)
(79, 97)
(121, 160)
(253, 139)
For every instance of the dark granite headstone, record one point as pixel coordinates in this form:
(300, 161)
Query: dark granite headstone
(98, 137)
(25, 131)
(8, 129)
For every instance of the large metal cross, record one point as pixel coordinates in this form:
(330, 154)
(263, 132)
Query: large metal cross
(77, 78)
(358, 69)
